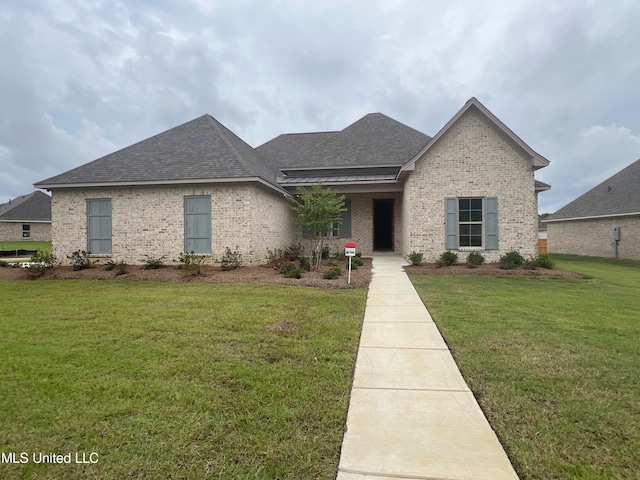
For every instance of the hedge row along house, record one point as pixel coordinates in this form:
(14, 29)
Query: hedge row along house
(199, 187)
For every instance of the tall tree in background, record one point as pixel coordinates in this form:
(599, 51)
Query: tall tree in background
(317, 211)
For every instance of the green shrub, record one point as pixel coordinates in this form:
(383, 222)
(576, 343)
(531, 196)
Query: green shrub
(45, 258)
(356, 261)
(294, 272)
(415, 258)
(153, 263)
(514, 257)
(80, 259)
(275, 256)
(474, 259)
(332, 273)
(3, 264)
(326, 252)
(294, 251)
(544, 261)
(305, 264)
(231, 259)
(190, 262)
(290, 269)
(39, 262)
(447, 258)
(120, 268)
(530, 264)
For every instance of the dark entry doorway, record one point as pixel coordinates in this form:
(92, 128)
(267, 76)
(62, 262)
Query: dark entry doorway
(383, 224)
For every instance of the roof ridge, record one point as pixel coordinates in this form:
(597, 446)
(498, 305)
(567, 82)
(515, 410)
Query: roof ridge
(217, 126)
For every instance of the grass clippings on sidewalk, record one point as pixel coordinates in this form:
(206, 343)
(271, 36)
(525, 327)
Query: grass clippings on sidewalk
(554, 363)
(176, 380)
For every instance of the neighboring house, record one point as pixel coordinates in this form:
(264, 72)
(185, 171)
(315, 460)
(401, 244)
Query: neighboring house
(604, 222)
(542, 237)
(200, 187)
(26, 218)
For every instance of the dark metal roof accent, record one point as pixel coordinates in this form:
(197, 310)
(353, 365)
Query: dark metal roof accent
(616, 196)
(34, 207)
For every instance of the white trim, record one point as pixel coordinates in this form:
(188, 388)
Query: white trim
(147, 183)
(24, 221)
(592, 217)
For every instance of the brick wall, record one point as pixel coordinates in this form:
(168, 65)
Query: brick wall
(150, 221)
(12, 232)
(471, 159)
(595, 237)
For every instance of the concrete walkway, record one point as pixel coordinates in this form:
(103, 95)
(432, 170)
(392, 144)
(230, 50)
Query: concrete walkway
(412, 415)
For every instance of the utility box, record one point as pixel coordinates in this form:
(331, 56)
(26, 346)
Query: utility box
(616, 234)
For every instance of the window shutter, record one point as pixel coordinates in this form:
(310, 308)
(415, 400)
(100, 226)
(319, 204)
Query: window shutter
(451, 223)
(99, 225)
(197, 224)
(345, 226)
(491, 223)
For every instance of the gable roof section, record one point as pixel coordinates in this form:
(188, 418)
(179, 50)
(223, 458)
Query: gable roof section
(34, 207)
(618, 195)
(200, 150)
(373, 141)
(535, 159)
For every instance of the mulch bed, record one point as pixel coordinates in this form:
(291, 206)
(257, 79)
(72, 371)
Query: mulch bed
(488, 269)
(360, 278)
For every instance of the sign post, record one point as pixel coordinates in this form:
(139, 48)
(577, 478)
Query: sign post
(350, 251)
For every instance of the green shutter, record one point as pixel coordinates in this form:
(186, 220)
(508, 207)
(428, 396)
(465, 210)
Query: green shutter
(99, 226)
(197, 224)
(491, 223)
(451, 223)
(345, 226)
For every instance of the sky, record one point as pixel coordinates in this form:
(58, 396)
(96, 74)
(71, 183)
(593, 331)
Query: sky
(81, 79)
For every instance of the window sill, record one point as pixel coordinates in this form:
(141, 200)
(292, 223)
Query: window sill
(471, 249)
(100, 255)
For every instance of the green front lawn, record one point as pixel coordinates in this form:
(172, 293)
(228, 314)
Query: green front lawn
(26, 245)
(554, 363)
(176, 380)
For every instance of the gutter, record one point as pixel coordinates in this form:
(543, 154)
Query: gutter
(592, 217)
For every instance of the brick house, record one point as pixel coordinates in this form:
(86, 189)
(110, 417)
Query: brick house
(199, 187)
(603, 222)
(26, 218)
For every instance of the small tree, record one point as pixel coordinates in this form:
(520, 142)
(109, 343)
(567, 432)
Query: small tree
(316, 212)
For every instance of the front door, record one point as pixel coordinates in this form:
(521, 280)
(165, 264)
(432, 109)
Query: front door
(383, 224)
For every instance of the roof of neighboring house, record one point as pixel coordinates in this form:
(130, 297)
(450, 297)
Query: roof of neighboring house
(202, 149)
(34, 207)
(617, 195)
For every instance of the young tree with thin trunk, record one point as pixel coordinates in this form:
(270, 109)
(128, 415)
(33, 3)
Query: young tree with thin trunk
(317, 211)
